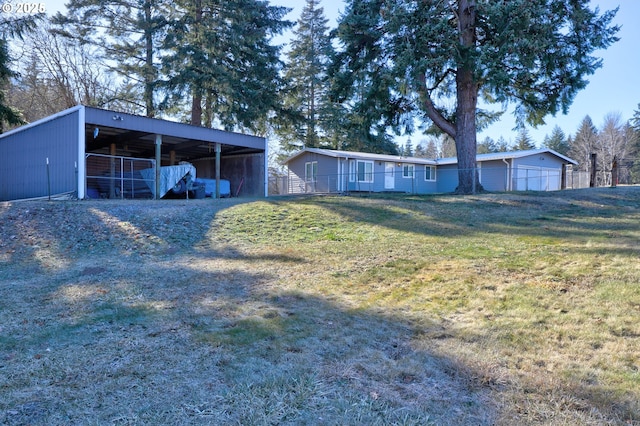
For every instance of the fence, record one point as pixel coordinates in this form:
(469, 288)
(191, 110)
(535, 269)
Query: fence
(492, 179)
(119, 177)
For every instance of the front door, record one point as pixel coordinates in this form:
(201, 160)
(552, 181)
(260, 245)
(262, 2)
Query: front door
(389, 176)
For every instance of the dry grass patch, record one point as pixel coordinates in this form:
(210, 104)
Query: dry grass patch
(491, 309)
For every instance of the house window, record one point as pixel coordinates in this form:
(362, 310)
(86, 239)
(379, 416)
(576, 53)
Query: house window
(430, 173)
(407, 170)
(311, 171)
(362, 171)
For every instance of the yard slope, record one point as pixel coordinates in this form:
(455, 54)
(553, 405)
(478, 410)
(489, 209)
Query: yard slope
(488, 309)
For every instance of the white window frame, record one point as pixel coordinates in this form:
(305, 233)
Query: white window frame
(432, 173)
(352, 170)
(405, 171)
(311, 166)
(367, 175)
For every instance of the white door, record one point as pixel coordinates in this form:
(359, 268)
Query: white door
(389, 176)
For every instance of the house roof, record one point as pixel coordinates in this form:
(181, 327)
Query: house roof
(352, 155)
(497, 156)
(416, 160)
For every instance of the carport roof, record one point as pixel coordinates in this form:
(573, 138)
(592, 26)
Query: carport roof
(136, 135)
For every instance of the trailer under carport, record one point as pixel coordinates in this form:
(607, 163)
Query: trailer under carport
(49, 156)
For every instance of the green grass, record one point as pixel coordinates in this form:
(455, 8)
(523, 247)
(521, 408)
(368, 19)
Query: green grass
(488, 309)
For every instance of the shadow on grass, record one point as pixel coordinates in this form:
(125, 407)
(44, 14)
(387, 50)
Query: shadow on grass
(159, 343)
(151, 337)
(579, 215)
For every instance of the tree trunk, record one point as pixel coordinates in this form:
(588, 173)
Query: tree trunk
(467, 100)
(149, 70)
(196, 102)
(196, 107)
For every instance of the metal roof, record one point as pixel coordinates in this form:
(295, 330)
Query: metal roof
(497, 156)
(352, 155)
(134, 135)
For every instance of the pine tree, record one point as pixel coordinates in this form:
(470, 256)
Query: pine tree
(306, 76)
(557, 141)
(221, 58)
(584, 144)
(524, 141)
(11, 26)
(502, 145)
(130, 33)
(407, 150)
(487, 146)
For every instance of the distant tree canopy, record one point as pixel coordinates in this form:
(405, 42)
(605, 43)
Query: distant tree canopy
(11, 26)
(218, 54)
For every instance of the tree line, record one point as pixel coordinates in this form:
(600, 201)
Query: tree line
(389, 67)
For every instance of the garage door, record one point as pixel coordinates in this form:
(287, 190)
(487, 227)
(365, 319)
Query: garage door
(531, 178)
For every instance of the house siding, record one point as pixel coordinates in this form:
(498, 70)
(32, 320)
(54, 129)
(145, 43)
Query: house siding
(493, 175)
(24, 153)
(542, 170)
(326, 179)
(447, 178)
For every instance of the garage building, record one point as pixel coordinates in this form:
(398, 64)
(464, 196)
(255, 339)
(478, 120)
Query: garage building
(88, 152)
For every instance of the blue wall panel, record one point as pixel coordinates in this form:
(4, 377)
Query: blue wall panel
(24, 153)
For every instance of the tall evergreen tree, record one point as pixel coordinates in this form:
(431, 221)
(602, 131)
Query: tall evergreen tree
(130, 32)
(524, 141)
(557, 141)
(421, 55)
(221, 57)
(502, 145)
(584, 143)
(487, 146)
(407, 150)
(306, 75)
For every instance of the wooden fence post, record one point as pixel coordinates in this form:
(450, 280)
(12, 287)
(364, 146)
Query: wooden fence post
(592, 180)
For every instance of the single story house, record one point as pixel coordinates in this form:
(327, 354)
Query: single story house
(76, 151)
(324, 170)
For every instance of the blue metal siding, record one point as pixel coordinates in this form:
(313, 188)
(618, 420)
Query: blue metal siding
(447, 178)
(544, 160)
(493, 175)
(544, 174)
(24, 153)
(326, 178)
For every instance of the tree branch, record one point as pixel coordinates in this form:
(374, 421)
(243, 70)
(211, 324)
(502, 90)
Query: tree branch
(436, 116)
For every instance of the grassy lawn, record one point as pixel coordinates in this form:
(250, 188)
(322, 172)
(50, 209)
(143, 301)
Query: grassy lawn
(519, 308)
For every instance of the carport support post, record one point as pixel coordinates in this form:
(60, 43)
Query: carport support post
(158, 160)
(217, 170)
(112, 171)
